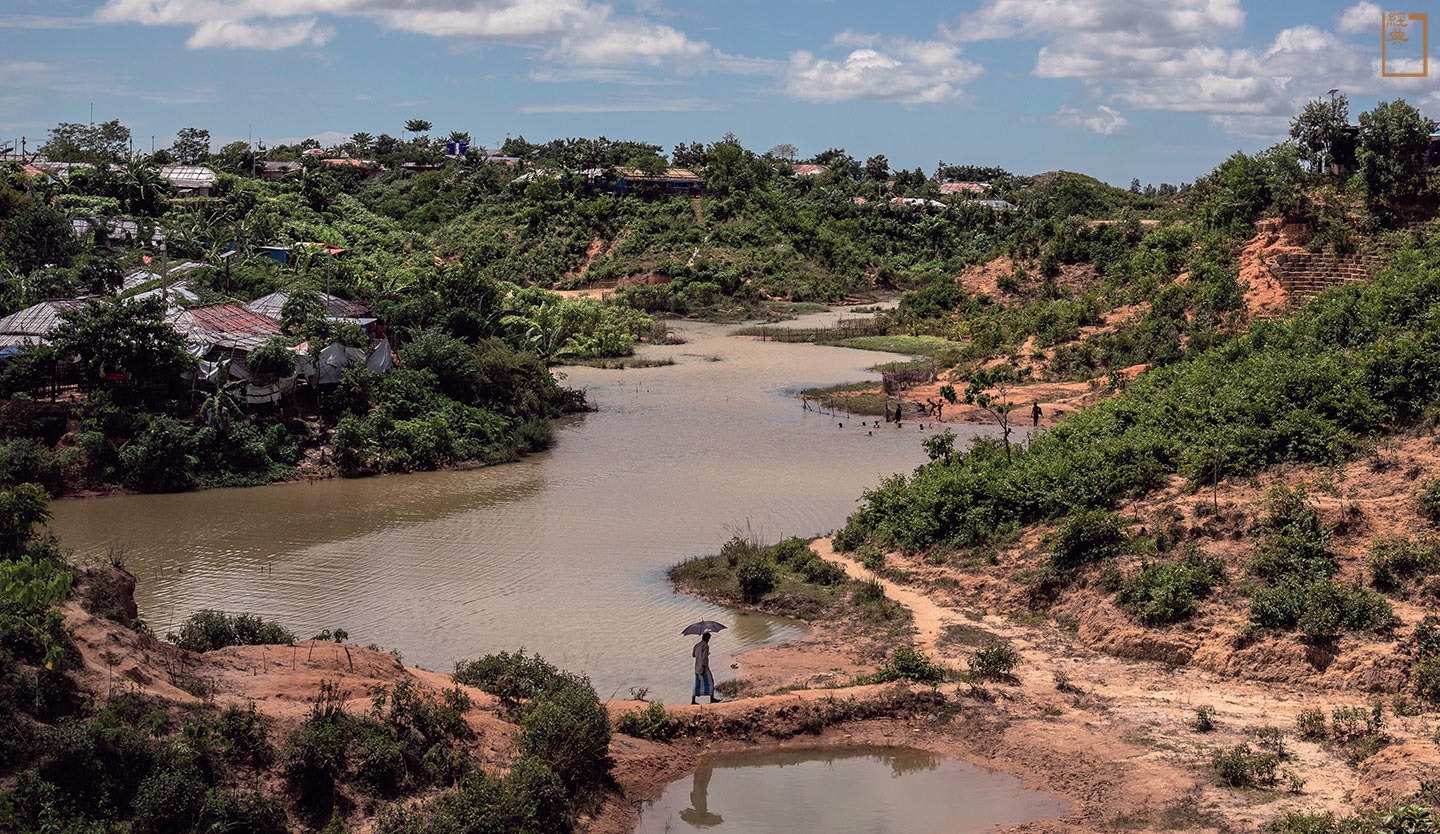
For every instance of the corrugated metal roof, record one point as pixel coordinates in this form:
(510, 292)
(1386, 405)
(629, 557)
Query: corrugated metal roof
(38, 320)
(226, 326)
(189, 176)
(671, 174)
(963, 187)
(269, 305)
(808, 170)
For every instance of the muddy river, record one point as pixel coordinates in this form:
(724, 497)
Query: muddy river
(877, 791)
(564, 552)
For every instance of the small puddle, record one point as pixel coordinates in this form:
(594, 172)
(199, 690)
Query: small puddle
(846, 791)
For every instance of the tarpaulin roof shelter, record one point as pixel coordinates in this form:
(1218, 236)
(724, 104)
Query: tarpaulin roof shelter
(270, 305)
(34, 324)
(189, 177)
(227, 326)
(963, 187)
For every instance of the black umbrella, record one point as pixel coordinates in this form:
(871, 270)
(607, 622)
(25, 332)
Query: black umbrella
(702, 627)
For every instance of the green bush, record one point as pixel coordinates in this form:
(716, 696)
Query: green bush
(273, 359)
(1396, 559)
(1321, 610)
(1167, 592)
(516, 677)
(1425, 677)
(1310, 724)
(1242, 767)
(757, 578)
(994, 661)
(159, 459)
(1088, 536)
(651, 722)
(818, 571)
(1204, 719)
(906, 664)
(245, 736)
(1294, 542)
(1429, 499)
(570, 732)
(787, 551)
(208, 630)
(530, 799)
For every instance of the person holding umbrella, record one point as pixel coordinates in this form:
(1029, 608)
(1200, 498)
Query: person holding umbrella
(704, 680)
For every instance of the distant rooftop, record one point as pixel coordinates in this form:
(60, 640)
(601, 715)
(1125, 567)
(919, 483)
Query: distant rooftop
(186, 177)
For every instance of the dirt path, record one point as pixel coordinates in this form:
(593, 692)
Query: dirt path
(1153, 704)
(930, 619)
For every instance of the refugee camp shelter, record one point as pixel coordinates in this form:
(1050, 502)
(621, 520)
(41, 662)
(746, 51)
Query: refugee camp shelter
(190, 180)
(34, 324)
(335, 306)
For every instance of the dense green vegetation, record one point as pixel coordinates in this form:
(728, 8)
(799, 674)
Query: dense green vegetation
(121, 761)
(786, 577)
(1352, 364)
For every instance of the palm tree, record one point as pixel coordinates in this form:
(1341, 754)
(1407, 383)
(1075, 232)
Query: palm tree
(221, 407)
(362, 141)
(417, 126)
(459, 136)
(140, 183)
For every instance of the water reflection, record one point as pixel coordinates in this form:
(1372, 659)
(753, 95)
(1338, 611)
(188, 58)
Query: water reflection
(698, 814)
(844, 791)
(562, 553)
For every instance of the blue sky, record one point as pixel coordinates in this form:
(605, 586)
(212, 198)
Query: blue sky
(1115, 88)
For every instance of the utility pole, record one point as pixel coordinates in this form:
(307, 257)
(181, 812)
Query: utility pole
(165, 272)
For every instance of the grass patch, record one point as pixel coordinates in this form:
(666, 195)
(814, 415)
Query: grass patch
(785, 578)
(623, 363)
(963, 635)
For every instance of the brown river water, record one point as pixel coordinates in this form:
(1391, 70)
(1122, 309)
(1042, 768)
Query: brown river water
(564, 552)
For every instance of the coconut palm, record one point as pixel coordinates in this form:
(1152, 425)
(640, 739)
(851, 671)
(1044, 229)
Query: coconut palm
(141, 186)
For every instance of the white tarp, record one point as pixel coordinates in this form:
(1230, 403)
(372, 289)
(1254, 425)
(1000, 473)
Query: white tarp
(256, 394)
(381, 359)
(333, 360)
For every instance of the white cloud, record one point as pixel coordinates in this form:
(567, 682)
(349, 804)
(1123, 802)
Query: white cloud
(1155, 22)
(1361, 18)
(237, 34)
(1174, 56)
(882, 69)
(1103, 121)
(581, 33)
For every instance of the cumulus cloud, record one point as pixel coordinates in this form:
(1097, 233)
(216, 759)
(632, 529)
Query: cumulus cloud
(1103, 121)
(882, 69)
(567, 32)
(1361, 18)
(237, 34)
(1174, 56)
(1154, 22)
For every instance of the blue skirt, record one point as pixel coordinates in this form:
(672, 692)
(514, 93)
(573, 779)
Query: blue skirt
(705, 684)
